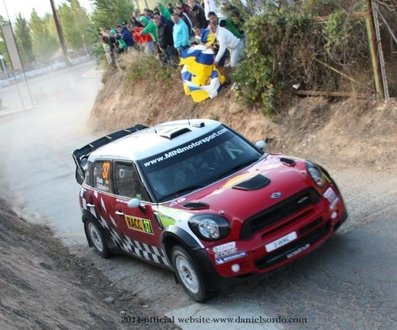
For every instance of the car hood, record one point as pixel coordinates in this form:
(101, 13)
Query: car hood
(250, 190)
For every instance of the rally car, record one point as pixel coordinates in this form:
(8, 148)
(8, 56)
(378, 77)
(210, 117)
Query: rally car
(198, 198)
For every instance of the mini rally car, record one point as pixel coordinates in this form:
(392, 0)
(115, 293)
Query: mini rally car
(196, 197)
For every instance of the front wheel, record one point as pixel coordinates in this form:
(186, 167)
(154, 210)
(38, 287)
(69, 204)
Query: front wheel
(96, 237)
(189, 274)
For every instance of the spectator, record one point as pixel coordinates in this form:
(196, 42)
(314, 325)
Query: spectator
(148, 13)
(135, 22)
(170, 8)
(149, 27)
(233, 12)
(164, 11)
(210, 6)
(180, 33)
(126, 35)
(165, 40)
(198, 15)
(224, 22)
(227, 41)
(204, 37)
(185, 8)
(108, 47)
(142, 40)
(185, 17)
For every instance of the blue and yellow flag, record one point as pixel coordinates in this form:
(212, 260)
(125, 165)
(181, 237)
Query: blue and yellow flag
(201, 79)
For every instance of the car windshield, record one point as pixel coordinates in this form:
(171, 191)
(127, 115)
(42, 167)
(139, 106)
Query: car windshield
(197, 163)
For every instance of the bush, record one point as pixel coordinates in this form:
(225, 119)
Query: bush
(145, 67)
(286, 48)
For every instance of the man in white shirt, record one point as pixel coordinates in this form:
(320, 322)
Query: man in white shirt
(227, 40)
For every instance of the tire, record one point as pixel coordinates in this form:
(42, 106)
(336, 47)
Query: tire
(189, 275)
(95, 235)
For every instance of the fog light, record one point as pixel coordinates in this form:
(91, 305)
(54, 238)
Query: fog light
(334, 215)
(235, 268)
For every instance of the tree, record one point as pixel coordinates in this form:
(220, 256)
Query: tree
(44, 44)
(109, 13)
(24, 39)
(75, 24)
(3, 48)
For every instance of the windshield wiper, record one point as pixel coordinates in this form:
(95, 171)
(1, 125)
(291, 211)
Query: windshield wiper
(236, 168)
(182, 190)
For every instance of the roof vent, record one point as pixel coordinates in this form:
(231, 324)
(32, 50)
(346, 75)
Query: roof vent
(198, 124)
(171, 134)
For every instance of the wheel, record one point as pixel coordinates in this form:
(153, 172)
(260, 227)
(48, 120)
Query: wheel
(96, 237)
(189, 275)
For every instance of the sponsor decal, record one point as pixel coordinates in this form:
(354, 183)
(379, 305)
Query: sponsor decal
(239, 178)
(228, 258)
(180, 150)
(139, 224)
(332, 197)
(105, 170)
(224, 247)
(297, 251)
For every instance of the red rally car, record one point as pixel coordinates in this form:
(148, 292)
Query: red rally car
(196, 197)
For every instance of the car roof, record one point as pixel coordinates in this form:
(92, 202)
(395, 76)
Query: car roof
(153, 140)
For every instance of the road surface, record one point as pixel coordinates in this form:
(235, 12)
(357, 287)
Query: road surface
(350, 282)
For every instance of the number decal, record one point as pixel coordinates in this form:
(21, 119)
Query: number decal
(105, 170)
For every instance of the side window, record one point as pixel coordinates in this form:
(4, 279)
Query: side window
(127, 182)
(102, 176)
(87, 178)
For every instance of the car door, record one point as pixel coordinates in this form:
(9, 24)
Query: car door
(100, 199)
(138, 226)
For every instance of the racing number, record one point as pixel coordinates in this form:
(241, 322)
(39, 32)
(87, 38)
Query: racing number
(105, 170)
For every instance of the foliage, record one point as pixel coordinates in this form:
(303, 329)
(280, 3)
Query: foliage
(286, 46)
(24, 39)
(109, 13)
(44, 44)
(75, 23)
(149, 68)
(268, 62)
(3, 48)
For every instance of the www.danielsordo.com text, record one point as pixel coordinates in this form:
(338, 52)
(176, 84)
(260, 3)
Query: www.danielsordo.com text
(220, 320)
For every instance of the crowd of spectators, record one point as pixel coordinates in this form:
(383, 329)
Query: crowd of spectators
(168, 31)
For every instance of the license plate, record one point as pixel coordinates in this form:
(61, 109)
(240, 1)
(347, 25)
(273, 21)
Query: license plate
(281, 242)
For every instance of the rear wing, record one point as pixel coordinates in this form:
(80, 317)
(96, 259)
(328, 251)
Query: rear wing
(80, 156)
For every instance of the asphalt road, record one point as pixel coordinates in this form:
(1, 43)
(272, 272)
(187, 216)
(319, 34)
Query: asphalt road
(349, 283)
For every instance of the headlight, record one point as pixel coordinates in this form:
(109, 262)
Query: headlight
(209, 227)
(316, 174)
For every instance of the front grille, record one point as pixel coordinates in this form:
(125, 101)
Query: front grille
(281, 254)
(279, 212)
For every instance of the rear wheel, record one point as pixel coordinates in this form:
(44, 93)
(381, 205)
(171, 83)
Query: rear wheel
(96, 237)
(189, 274)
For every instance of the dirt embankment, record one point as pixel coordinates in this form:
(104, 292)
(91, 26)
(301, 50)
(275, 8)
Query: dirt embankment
(347, 132)
(44, 287)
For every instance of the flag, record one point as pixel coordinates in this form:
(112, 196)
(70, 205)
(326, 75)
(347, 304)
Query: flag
(201, 79)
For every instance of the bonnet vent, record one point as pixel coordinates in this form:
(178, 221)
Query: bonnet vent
(257, 182)
(196, 206)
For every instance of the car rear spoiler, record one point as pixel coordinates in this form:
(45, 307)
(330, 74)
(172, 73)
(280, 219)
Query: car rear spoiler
(80, 156)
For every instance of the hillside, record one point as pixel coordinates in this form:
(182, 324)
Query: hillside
(347, 132)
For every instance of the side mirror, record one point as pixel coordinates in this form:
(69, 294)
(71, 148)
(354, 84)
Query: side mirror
(134, 203)
(261, 145)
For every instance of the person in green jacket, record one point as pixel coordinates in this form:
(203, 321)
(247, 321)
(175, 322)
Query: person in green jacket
(164, 11)
(149, 27)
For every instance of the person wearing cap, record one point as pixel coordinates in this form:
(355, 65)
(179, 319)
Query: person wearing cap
(180, 33)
